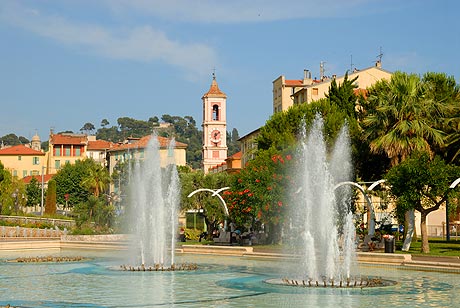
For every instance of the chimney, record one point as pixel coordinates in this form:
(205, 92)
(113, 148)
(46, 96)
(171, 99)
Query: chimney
(306, 77)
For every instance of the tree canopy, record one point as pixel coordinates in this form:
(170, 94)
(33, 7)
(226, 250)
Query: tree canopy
(422, 184)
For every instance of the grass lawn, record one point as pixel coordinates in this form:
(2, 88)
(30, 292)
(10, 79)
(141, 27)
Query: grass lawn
(438, 247)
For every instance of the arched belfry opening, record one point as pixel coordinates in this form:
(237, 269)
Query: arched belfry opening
(215, 113)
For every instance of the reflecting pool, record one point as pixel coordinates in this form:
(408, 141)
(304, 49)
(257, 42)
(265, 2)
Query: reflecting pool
(219, 282)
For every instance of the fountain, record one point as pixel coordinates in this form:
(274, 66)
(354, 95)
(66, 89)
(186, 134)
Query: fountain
(153, 210)
(327, 257)
(321, 218)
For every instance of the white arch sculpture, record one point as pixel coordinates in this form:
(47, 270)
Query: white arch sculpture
(371, 230)
(215, 192)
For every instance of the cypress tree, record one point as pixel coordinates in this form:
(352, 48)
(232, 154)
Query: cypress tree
(50, 205)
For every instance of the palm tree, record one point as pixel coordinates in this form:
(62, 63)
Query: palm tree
(97, 179)
(444, 89)
(401, 118)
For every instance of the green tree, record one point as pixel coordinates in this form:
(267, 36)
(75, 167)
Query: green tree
(12, 139)
(444, 89)
(2, 169)
(109, 134)
(130, 127)
(69, 181)
(104, 122)
(50, 204)
(343, 95)
(259, 193)
(422, 184)
(209, 205)
(401, 119)
(33, 192)
(233, 143)
(283, 129)
(88, 128)
(96, 179)
(6, 180)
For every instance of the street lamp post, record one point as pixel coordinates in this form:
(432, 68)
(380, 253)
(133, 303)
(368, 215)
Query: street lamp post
(15, 197)
(43, 184)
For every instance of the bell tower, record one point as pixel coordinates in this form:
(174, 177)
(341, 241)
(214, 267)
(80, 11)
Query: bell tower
(214, 126)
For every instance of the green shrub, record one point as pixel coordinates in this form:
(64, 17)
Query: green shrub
(83, 230)
(192, 234)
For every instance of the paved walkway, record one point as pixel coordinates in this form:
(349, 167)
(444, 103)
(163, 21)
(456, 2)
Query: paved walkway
(441, 263)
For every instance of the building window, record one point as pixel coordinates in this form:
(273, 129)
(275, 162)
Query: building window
(57, 164)
(15, 173)
(19, 157)
(215, 113)
(314, 91)
(24, 173)
(67, 161)
(57, 151)
(170, 152)
(35, 160)
(141, 154)
(78, 151)
(67, 151)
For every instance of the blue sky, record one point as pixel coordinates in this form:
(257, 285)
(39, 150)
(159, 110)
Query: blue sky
(65, 63)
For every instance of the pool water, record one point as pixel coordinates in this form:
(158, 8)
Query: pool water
(219, 282)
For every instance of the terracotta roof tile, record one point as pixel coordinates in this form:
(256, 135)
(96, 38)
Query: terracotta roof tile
(68, 139)
(237, 155)
(214, 91)
(20, 150)
(46, 178)
(142, 143)
(99, 145)
(294, 82)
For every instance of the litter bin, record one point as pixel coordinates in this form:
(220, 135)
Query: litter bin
(389, 241)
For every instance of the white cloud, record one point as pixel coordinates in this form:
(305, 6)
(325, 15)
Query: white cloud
(141, 43)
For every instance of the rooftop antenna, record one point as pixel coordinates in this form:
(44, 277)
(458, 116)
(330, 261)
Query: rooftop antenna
(321, 70)
(380, 55)
(214, 73)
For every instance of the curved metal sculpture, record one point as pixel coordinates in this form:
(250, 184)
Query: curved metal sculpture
(452, 186)
(371, 230)
(215, 192)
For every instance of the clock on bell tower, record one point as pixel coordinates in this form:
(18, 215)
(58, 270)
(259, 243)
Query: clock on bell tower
(214, 126)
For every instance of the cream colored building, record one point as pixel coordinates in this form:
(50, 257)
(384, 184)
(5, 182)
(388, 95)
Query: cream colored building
(97, 150)
(283, 89)
(289, 92)
(134, 148)
(22, 161)
(248, 146)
